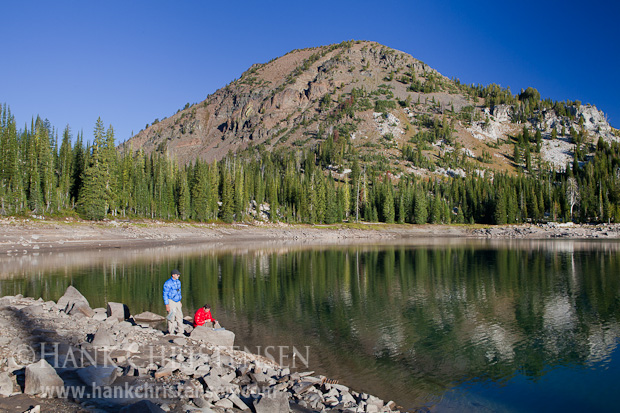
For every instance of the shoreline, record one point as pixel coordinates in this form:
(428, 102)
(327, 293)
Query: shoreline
(66, 356)
(26, 236)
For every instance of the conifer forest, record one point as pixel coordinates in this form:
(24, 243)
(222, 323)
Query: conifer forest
(51, 174)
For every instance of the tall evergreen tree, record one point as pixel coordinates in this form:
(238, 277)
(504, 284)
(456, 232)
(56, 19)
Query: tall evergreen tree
(94, 198)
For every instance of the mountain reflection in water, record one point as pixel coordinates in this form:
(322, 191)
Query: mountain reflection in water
(417, 324)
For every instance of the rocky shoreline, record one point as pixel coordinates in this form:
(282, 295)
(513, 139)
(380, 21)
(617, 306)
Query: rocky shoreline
(20, 236)
(66, 356)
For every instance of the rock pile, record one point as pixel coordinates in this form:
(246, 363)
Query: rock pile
(107, 359)
(550, 230)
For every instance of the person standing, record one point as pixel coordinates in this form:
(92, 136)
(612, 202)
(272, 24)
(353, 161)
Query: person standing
(172, 300)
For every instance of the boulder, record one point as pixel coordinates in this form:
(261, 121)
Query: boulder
(32, 310)
(163, 372)
(225, 403)
(131, 347)
(118, 311)
(13, 365)
(81, 308)
(102, 338)
(69, 300)
(6, 384)
(100, 316)
(180, 341)
(218, 337)
(276, 402)
(217, 385)
(148, 317)
(98, 376)
(42, 378)
(201, 403)
(238, 402)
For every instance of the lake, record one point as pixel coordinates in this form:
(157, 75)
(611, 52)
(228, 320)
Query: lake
(444, 324)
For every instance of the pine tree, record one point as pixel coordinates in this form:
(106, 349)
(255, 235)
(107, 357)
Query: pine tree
(227, 208)
(436, 211)
(388, 205)
(64, 170)
(421, 209)
(33, 178)
(77, 168)
(199, 191)
(500, 215)
(183, 196)
(94, 198)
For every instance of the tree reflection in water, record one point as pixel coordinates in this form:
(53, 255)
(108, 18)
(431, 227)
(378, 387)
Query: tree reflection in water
(404, 322)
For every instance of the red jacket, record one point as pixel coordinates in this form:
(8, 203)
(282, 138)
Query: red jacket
(202, 317)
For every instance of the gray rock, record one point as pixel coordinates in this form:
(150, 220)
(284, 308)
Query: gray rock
(148, 317)
(98, 375)
(81, 308)
(316, 401)
(243, 369)
(13, 365)
(180, 341)
(102, 338)
(6, 384)
(143, 406)
(167, 370)
(163, 372)
(229, 377)
(216, 384)
(32, 310)
(100, 316)
(276, 402)
(218, 337)
(374, 401)
(225, 403)
(238, 402)
(70, 298)
(302, 387)
(118, 311)
(340, 387)
(347, 399)
(202, 370)
(201, 403)
(111, 321)
(42, 378)
(262, 378)
(131, 347)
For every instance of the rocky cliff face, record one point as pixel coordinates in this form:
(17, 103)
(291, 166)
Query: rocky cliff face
(380, 99)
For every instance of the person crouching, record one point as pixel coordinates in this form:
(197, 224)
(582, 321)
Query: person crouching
(204, 318)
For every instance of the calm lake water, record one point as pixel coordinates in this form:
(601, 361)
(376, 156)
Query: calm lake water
(456, 325)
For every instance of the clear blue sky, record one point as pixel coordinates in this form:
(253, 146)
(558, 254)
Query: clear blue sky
(130, 62)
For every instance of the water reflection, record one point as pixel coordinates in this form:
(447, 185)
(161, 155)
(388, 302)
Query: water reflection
(404, 322)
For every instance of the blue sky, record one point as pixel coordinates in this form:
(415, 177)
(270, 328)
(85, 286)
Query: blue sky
(130, 62)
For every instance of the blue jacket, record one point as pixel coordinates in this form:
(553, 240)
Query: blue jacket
(172, 290)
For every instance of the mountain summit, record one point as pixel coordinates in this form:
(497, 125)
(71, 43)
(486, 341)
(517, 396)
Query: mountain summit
(394, 109)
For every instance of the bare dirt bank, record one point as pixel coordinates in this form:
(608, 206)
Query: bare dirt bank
(24, 236)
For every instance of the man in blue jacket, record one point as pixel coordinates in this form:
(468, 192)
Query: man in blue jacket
(172, 299)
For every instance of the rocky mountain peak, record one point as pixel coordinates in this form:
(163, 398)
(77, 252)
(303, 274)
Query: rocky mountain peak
(380, 100)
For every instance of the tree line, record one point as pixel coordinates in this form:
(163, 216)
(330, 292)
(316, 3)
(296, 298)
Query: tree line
(43, 174)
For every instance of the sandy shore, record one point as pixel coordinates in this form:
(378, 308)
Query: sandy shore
(24, 236)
